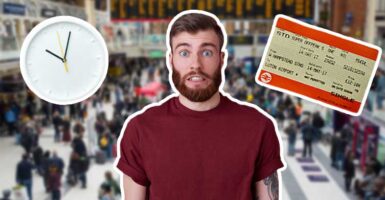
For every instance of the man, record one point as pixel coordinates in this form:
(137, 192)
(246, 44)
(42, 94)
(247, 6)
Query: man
(10, 119)
(199, 144)
(24, 174)
(57, 122)
(318, 123)
(55, 171)
(81, 159)
(307, 137)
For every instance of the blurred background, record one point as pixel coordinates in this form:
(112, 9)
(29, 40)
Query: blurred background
(71, 149)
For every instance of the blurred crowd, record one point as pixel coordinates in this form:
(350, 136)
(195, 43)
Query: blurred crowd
(25, 117)
(376, 96)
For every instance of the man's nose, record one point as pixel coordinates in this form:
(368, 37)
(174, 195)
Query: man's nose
(195, 62)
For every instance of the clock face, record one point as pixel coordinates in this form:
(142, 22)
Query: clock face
(64, 60)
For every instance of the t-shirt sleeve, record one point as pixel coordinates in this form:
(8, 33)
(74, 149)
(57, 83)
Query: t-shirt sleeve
(268, 159)
(131, 160)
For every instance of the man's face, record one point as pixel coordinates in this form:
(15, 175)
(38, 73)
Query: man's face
(196, 60)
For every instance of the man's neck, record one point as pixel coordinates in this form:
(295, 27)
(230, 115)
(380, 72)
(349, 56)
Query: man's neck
(201, 106)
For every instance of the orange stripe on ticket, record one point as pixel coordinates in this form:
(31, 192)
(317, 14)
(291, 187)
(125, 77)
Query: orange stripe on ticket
(310, 91)
(327, 38)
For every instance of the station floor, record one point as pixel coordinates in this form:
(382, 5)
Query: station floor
(302, 179)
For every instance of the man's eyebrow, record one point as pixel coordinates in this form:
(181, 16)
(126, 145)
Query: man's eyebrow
(205, 44)
(208, 44)
(182, 44)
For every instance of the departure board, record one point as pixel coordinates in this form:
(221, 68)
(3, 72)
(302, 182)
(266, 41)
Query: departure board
(224, 9)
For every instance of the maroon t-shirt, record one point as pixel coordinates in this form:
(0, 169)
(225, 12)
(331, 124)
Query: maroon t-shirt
(181, 154)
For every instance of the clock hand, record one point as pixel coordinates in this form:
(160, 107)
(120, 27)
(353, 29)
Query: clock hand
(50, 52)
(65, 53)
(61, 50)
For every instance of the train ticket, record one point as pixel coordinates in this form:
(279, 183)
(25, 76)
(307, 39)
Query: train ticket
(318, 65)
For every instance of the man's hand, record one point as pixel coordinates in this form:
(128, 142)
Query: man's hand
(268, 188)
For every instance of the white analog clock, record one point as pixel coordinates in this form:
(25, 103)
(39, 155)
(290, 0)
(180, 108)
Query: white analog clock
(64, 60)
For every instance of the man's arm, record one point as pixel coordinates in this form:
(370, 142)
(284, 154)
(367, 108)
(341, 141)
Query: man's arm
(268, 188)
(132, 190)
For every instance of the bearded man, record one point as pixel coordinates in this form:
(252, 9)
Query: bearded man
(199, 144)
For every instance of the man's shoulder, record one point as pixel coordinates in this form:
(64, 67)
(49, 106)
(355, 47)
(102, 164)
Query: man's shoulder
(246, 110)
(152, 110)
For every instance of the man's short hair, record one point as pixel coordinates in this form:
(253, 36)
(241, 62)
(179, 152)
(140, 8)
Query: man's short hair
(194, 22)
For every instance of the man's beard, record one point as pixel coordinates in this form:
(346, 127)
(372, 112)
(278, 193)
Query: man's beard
(201, 94)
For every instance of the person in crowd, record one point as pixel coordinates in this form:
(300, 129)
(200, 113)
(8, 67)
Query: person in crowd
(106, 143)
(366, 184)
(333, 150)
(349, 170)
(57, 123)
(298, 108)
(318, 123)
(54, 184)
(27, 138)
(382, 194)
(10, 119)
(73, 169)
(372, 95)
(24, 174)
(118, 94)
(78, 128)
(30, 107)
(380, 90)
(34, 128)
(100, 124)
(73, 111)
(116, 123)
(66, 129)
(337, 151)
(56, 162)
(341, 149)
(79, 147)
(45, 110)
(37, 154)
(83, 111)
(45, 169)
(307, 131)
(106, 193)
(55, 171)
(347, 132)
(112, 183)
(375, 164)
(6, 195)
(379, 184)
(291, 131)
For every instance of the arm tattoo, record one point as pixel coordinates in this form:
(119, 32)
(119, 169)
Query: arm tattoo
(272, 185)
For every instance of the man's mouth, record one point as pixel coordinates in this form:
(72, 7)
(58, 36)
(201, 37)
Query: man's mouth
(196, 78)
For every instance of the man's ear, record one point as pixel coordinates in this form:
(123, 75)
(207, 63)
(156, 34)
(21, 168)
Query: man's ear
(222, 58)
(170, 59)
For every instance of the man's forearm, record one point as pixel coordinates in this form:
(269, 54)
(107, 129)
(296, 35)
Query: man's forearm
(268, 188)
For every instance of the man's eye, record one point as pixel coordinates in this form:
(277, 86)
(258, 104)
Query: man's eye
(207, 53)
(183, 53)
